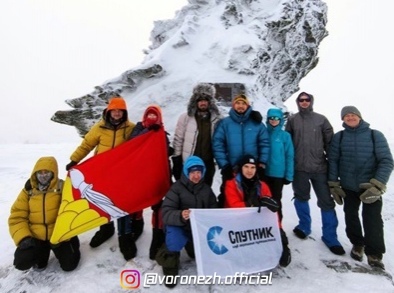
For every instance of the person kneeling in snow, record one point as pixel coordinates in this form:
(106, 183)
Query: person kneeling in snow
(33, 217)
(247, 190)
(190, 191)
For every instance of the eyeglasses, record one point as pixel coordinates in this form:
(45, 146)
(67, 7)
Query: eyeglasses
(274, 118)
(304, 100)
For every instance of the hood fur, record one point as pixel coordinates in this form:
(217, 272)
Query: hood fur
(203, 89)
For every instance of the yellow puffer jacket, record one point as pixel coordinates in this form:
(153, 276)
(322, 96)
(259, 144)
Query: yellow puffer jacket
(103, 137)
(34, 213)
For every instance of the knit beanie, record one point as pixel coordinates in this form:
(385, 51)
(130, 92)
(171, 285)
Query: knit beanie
(247, 159)
(117, 103)
(242, 98)
(350, 110)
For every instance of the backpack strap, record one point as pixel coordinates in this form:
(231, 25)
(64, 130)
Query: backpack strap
(28, 187)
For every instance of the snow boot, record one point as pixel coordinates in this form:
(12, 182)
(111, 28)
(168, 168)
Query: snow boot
(357, 252)
(169, 260)
(285, 258)
(127, 246)
(158, 238)
(329, 229)
(303, 229)
(375, 261)
(106, 231)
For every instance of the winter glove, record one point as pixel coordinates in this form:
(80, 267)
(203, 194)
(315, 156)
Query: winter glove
(177, 167)
(337, 192)
(154, 127)
(70, 165)
(26, 243)
(256, 116)
(373, 192)
(227, 173)
(270, 203)
(286, 182)
(261, 171)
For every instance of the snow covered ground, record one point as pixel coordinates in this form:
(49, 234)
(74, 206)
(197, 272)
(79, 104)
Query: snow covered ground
(313, 269)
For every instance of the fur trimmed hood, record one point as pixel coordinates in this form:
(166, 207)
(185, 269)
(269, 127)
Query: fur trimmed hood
(207, 91)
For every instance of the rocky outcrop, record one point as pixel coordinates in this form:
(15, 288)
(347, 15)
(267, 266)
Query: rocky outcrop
(267, 46)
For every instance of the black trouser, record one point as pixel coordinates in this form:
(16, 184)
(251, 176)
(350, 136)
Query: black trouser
(66, 252)
(372, 222)
(210, 172)
(276, 186)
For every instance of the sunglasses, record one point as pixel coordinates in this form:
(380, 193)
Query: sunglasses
(304, 100)
(274, 118)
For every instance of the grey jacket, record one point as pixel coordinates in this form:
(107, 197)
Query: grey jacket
(311, 134)
(183, 195)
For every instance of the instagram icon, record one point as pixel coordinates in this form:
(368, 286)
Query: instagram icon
(130, 279)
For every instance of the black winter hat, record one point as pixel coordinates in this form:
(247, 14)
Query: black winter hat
(247, 159)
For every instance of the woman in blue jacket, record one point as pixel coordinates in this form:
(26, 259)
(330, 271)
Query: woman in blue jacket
(280, 167)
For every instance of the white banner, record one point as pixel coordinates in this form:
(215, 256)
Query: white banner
(227, 241)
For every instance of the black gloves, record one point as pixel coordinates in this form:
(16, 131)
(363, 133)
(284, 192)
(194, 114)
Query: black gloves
(373, 192)
(286, 182)
(261, 172)
(227, 173)
(70, 165)
(256, 116)
(27, 242)
(270, 203)
(154, 127)
(177, 166)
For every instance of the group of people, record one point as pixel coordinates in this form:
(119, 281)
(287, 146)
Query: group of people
(255, 159)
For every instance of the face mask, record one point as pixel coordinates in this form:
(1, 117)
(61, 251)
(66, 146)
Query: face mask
(44, 177)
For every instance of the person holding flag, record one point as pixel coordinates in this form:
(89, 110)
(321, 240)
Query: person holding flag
(189, 192)
(112, 130)
(151, 120)
(247, 190)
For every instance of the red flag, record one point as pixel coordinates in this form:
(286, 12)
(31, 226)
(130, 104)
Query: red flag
(128, 178)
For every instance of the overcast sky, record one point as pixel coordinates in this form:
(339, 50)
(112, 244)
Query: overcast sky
(57, 50)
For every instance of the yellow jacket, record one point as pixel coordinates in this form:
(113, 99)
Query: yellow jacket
(34, 212)
(103, 137)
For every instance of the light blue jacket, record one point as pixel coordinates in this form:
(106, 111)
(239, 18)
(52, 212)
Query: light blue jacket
(281, 158)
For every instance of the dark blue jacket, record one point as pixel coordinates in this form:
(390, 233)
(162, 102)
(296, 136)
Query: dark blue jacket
(358, 155)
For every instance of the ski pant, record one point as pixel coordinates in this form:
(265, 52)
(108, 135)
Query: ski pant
(372, 223)
(302, 187)
(66, 252)
(177, 237)
(125, 224)
(276, 186)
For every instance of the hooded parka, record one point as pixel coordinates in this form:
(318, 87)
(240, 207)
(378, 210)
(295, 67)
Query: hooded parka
(34, 212)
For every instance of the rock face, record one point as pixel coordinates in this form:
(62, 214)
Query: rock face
(267, 46)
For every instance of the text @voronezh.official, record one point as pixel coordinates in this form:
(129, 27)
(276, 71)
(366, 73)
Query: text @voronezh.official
(131, 279)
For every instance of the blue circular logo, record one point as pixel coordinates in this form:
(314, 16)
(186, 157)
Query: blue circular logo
(215, 240)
